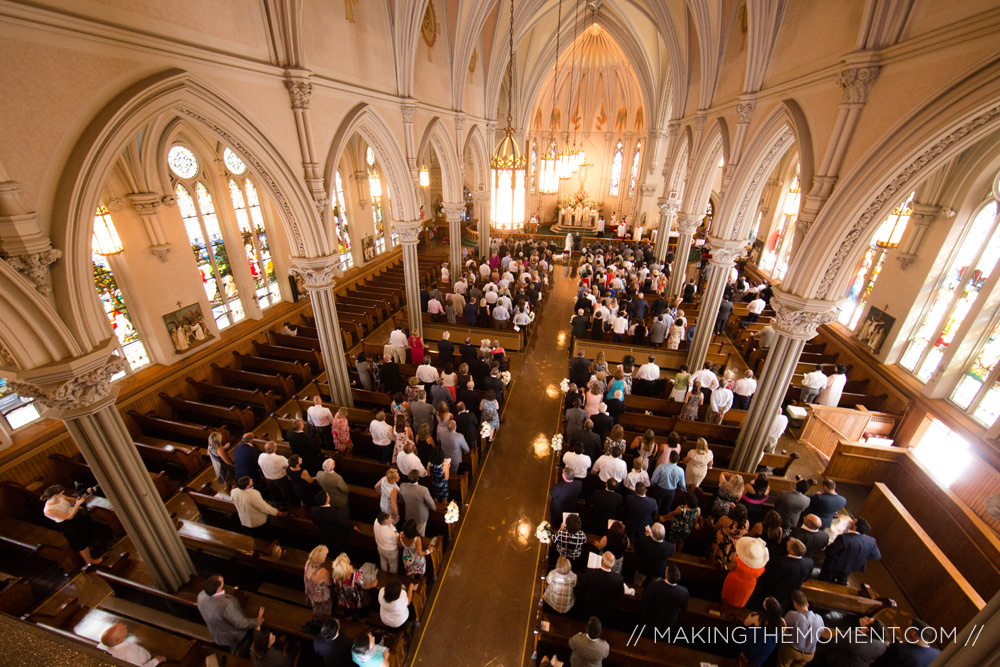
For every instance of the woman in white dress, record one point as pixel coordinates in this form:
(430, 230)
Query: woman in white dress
(830, 396)
(696, 463)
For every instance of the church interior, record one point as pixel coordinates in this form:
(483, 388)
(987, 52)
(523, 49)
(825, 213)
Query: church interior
(475, 202)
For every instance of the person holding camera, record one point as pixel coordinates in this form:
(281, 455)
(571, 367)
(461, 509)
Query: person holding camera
(70, 514)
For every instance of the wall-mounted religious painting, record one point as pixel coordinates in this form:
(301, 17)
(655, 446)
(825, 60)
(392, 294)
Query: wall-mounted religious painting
(602, 118)
(621, 120)
(368, 248)
(875, 329)
(430, 28)
(755, 252)
(639, 120)
(538, 120)
(186, 327)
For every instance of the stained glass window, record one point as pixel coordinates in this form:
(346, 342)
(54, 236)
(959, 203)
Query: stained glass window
(375, 190)
(635, 170)
(340, 224)
(250, 219)
(534, 163)
(955, 296)
(117, 311)
(234, 163)
(182, 162)
(778, 247)
(616, 169)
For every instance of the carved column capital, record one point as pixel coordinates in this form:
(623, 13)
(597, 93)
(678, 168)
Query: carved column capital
(905, 259)
(409, 107)
(75, 388)
(699, 121)
(724, 252)
(144, 203)
(453, 212)
(299, 92)
(856, 82)
(689, 222)
(667, 206)
(318, 273)
(408, 230)
(459, 122)
(673, 128)
(798, 317)
(646, 189)
(744, 110)
(35, 267)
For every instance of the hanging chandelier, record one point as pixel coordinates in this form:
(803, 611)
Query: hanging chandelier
(425, 176)
(508, 165)
(548, 182)
(574, 157)
(105, 240)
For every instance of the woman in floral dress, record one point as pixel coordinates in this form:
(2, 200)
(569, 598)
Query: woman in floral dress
(414, 555)
(342, 433)
(403, 434)
(352, 591)
(439, 474)
(317, 583)
(490, 410)
(693, 401)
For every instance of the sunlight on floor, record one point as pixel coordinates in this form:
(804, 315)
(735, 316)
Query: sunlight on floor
(541, 447)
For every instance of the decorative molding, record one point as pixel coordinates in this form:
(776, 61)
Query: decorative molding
(35, 267)
(169, 201)
(688, 223)
(409, 111)
(673, 128)
(460, 123)
(799, 318)
(408, 230)
(745, 111)
(699, 122)
(751, 192)
(6, 358)
(856, 82)
(144, 203)
(299, 93)
(317, 273)
(725, 253)
(161, 251)
(646, 189)
(115, 204)
(453, 212)
(78, 392)
(905, 259)
(892, 192)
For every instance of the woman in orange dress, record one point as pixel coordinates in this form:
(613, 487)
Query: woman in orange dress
(751, 557)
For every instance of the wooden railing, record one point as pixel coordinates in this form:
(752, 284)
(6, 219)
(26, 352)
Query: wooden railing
(825, 426)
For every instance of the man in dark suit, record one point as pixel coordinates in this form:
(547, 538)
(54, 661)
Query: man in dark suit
(563, 497)
(651, 553)
(388, 371)
(725, 310)
(826, 504)
(616, 406)
(306, 446)
(660, 306)
(472, 312)
(332, 647)
(605, 504)
(468, 350)
(446, 349)
(640, 511)
(598, 589)
(333, 523)
(494, 382)
(809, 534)
(467, 424)
(603, 423)
(574, 420)
(663, 599)
(784, 575)
(579, 369)
(479, 370)
(580, 324)
(850, 552)
(245, 457)
(592, 443)
(471, 399)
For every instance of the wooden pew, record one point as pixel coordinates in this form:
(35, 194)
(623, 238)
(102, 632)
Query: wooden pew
(191, 459)
(309, 357)
(23, 502)
(38, 541)
(282, 385)
(299, 371)
(264, 401)
(241, 418)
(77, 469)
(16, 597)
(183, 431)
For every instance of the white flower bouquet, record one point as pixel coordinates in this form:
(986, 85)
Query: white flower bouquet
(505, 376)
(544, 532)
(451, 514)
(485, 430)
(557, 441)
(564, 385)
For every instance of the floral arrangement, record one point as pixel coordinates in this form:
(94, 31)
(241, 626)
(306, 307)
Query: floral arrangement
(544, 532)
(451, 514)
(557, 441)
(564, 385)
(485, 430)
(505, 376)
(580, 198)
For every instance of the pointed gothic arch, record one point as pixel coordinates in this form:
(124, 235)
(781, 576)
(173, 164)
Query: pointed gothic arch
(439, 138)
(714, 145)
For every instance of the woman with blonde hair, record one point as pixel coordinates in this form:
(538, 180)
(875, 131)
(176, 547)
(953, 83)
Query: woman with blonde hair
(618, 384)
(559, 585)
(388, 490)
(221, 461)
(352, 591)
(592, 399)
(342, 433)
(646, 446)
(600, 363)
(317, 582)
(729, 493)
(697, 462)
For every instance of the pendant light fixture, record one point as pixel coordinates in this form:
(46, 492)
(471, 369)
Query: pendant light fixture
(425, 176)
(548, 182)
(508, 165)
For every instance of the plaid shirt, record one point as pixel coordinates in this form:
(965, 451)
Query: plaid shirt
(559, 591)
(570, 545)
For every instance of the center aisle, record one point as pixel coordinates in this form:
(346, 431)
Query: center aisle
(484, 603)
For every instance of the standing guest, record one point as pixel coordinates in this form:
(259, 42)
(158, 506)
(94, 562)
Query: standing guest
(579, 369)
(831, 393)
(751, 557)
(382, 437)
(333, 484)
(683, 520)
(743, 390)
(575, 416)
(645, 377)
(353, 593)
(664, 598)
(708, 380)
(331, 646)
(389, 377)
(388, 490)
(490, 410)
(722, 318)
(756, 307)
(563, 497)
(697, 462)
(652, 551)
(387, 543)
(812, 384)
(452, 445)
(570, 539)
(317, 581)
(860, 646)
(439, 468)
(611, 466)
(811, 535)
(579, 325)
(394, 604)
(762, 633)
(598, 589)
(676, 332)
(681, 381)
(364, 369)
(729, 529)
(306, 446)
(605, 505)
(113, 642)
(850, 552)
(826, 504)
(640, 511)
(778, 427)
(785, 574)
(273, 467)
(402, 435)
(75, 524)
(667, 478)
(320, 419)
(417, 501)
(303, 484)
(658, 329)
(754, 497)
(417, 350)
(245, 457)
(576, 462)
(408, 461)
(729, 493)
(421, 412)
(251, 507)
(221, 461)
(809, 630)
(413, 552)
(399, 343)
(467, 424)
(559, 585)
(790, 505)
(646, 447)
(446, 349)
(766, 335)
(588, 649)
(332, 523)
(224, 617)
(913, 651)
(721, 401)
(615, 542)
(694, 400)
(636, 476)
(342, 433)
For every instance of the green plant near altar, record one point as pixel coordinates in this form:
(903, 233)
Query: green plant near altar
(580, 198)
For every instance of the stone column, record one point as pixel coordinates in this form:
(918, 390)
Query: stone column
(687, 223)
(409, 236)
(319, 275)
(80, 393)
(724, 254)
(796, 322)
(668, 208)
(453, 213)
(483, 213)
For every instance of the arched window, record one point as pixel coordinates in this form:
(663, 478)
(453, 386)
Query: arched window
(534, 164)
(197, 210)
(969, 273)
(889, 233)
(375, 190)
(635, 170)
(250, 218)
(113, 301)
(340, 225)
(779, 246)
(616, 169)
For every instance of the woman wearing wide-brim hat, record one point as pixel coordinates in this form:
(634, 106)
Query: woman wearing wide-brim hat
(751, 557)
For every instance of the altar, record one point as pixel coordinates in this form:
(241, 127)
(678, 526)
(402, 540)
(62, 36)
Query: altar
(578, 219)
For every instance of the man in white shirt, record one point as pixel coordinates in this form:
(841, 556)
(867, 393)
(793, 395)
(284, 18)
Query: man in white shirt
(113, 642)
(708, 379)
(387, 543)
(320, 418)
(720, 403)
(273, 466)
(408, 460)
(250, 505)
(778, 427)
(619, 327)
(460, 286)
(501, 316)
(812, 383)
(743, 389)
(382, 437)
(576, 462)
(399, 343)
(756, 307)
(644, 378)
(426, 373)
(608, 466)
